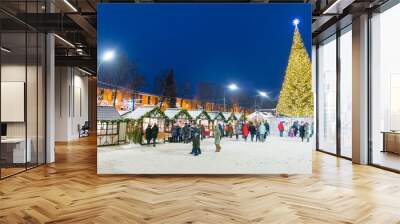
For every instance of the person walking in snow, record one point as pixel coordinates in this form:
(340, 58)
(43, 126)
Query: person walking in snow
(302, 131)
(266, 129)
(237, 131)
(154, 132)
(245, 131)
(307, 131)
(149, 134)
(186, 133)
(281, 128)
(196, 141)
(252, 130)
(261, 130)
(217, 138)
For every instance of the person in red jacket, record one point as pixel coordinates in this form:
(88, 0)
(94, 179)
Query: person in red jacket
(245, 131)
(281, 128)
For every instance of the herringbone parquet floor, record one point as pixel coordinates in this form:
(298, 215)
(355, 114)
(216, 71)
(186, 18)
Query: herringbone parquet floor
(70, 191)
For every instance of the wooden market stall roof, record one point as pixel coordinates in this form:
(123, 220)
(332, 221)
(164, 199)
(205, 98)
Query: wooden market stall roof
(227, 115)
(107, 113)
(172, 113)
(238, 115)
(143, 112)
(258, 115)
(214, 115)
(199, 114)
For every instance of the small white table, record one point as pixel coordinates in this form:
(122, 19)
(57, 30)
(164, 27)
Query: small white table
(18, 149)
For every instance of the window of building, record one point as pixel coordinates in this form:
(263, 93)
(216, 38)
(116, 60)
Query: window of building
(385, 89)
(327, 95)
(346, 92)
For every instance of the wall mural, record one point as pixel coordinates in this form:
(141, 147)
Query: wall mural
(204, 89)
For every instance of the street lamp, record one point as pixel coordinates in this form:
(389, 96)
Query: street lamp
(231, 87)
(261, 94)
(107, 56)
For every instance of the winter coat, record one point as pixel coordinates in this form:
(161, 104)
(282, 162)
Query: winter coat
(280, 126)
(252, 129)
(217, 135)
(302, 131)
(154, 131)
(245, 130)
(262, 130)
(307, 129)
(186, 131)
(174, 131)
(266, 127)
(221, 128)
(237, 129)
(196, 138)
(149, 133)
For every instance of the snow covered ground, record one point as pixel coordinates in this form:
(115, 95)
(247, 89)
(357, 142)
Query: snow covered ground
(275, 156)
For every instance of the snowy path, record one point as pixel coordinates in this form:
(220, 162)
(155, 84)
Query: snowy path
(275, 156)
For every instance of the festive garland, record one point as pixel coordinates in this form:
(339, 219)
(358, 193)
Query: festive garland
(184, 112)
(205, 113)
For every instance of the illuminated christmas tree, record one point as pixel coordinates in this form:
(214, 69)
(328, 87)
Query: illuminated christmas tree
(296, 96)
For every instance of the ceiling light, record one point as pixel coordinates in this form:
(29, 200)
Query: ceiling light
(5, 50)
(70, 5)
(64, 40)
(84, 71)
(337, 7)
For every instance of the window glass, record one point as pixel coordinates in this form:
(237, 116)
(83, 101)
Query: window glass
(327, 95)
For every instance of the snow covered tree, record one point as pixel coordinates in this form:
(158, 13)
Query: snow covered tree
(296, 96)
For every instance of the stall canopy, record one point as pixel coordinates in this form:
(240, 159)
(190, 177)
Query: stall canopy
(259, 116)
(238, 116)
(228, 116)
(199, 114)
(147, 111)
(215, 115)
(107, 113)
(176, 113)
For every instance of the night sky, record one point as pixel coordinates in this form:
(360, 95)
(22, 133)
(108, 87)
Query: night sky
(246, 44)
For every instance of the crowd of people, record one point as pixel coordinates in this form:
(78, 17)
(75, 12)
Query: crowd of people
(302, 129)
(247, 130)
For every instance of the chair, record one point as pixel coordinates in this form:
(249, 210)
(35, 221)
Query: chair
(84, 130)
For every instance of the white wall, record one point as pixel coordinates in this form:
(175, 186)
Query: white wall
(71, 102)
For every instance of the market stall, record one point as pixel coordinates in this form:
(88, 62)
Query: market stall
(258, 116)
(110, 129)
(149, 115)
(201, 118)
(239, 116)
(229, 117)
(177, 116)
(216, 117)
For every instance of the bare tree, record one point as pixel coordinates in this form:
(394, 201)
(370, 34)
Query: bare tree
(206, 92)
(170, 88)
(185, 91)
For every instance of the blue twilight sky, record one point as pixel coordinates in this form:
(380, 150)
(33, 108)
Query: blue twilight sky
(247, 44)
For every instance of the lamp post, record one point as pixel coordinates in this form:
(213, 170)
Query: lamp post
(108, 56)
(231, 87)
(261, 94)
